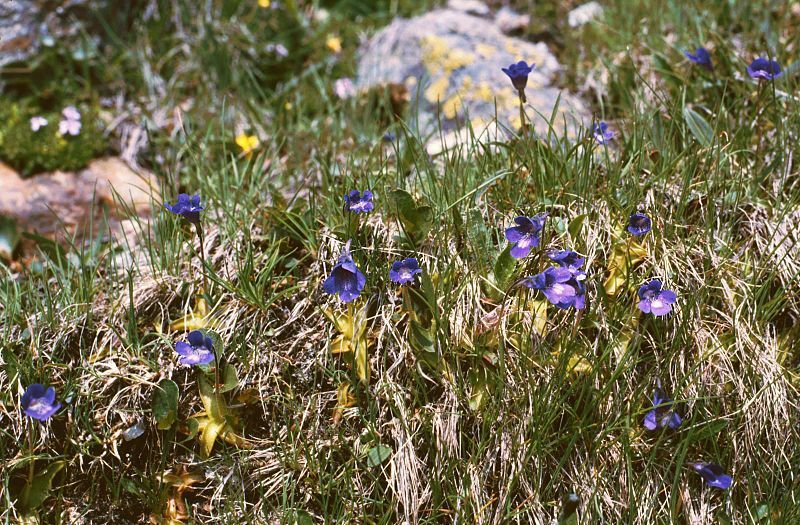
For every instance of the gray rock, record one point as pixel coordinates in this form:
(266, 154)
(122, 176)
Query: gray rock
(509, 20)
(584, 14)
(26, 24)
(450, 62)
(472, 7)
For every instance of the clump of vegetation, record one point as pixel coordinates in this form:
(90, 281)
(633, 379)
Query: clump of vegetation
(33, 140)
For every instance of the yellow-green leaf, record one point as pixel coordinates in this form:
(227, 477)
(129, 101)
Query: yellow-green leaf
(38, 490)
(215, 405)
(209, 435)
(378, 455)
(362, 363)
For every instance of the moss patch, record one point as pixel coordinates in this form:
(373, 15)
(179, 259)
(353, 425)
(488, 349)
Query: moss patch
(46, 149)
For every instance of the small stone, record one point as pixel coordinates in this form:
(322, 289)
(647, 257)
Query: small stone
(510, 21)
(584, 14)
(133, 432)
(472, 7)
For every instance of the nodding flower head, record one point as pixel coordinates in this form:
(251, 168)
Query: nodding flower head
(39, 402)
(518, 73)
(714, 475)
(198, 351)
(357, 202)
(345, 280)
(764, 69)
(662, 415)
(403, 272)
(187, 207)
(526, 235)
(639, 224)
(654, 300)
(701, 57)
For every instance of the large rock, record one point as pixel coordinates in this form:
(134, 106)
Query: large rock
(25, 24)
(450, 62)
(52, 204)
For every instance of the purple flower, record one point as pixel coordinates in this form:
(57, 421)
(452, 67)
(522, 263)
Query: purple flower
(560, 287)
(655, 300)
(764, 69)
(39, 402)
(525, 235)
(714, 475)
(71, 122)
(358, 203)
(403, 272)
(187, 207)
(573, 262)
(518, 73)
(701, 57)
(601, 132)
(661, 416)
(198, 351)
(568, 259)
(639, 224)
(345, 279)
(37, 123)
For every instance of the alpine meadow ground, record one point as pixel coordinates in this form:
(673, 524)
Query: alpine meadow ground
(321, 322)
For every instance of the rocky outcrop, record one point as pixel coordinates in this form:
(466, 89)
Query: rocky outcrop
(450, 63)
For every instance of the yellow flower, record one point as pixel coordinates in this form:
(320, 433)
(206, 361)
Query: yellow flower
(334, 43)
(248, 143)
(263, 3)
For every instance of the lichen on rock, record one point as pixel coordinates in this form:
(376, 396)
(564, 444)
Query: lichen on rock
(450, 61)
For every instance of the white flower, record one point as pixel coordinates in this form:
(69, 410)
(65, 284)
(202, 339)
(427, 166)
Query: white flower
(70, 113)
(344, 88)
(71, 124)
(37, 123)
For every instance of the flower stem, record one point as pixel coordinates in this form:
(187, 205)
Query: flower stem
(522, 101)
(201, 237)
(32, 448)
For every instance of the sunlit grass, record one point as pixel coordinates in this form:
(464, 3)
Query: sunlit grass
(495, 406)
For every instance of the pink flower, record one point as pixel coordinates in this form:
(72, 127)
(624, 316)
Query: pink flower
(344, 88)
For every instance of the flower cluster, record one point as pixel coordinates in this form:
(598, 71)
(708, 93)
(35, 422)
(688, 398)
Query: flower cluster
(562, 285)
